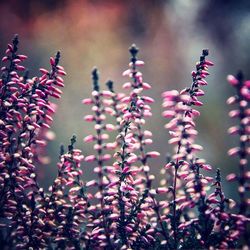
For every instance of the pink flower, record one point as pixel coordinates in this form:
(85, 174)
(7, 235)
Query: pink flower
(153, 154)
(127, 85)
(232, 80)
(231, 177)
(89, 118)
(162, 190)
(233, 151)
(87, 101)
(90, 158)
(89, 138)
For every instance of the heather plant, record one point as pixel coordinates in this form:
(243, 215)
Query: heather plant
(123, 207)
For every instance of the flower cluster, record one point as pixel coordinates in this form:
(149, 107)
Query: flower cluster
(123, 188)
(242, 113)
(123, 207)
(190, 181)
(26, 112)
(241, 99)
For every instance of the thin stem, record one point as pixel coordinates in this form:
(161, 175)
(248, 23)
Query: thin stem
(99, 156)
(122, 224)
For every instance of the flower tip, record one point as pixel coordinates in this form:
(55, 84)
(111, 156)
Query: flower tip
(95, 73)
(133, 50)
(205, 52)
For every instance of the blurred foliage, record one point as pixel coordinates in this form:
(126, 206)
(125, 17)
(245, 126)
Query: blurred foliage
(170, 35)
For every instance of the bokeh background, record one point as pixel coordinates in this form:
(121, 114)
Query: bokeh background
(170, 35)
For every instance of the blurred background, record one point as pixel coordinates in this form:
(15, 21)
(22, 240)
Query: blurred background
(170, 35)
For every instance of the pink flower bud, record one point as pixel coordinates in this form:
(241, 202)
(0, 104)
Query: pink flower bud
(183, 174)
(61, 72)
(233, 151)
(107, 93)
(186, 204)
(153, 154)
(147, 133)
(89, 118)
(200, 92)
(169, 165)
(146, 86)
(104, 136)
(17, 61)
(140, 103)
(148, 141)
(207, 167)
(231, 100)
(41, 142)
(55, 95)
(44, 71)
(137, 63)
(126, 85)
(234, 113)
(209, 63)
(231, 177)
(126, 169)
(174, 140)
(91, 183)
(198, 103)
(245, 91)
(204, 73)
(89, 138)
(106, 157)
(10, 47)
(182, 226)
(60, 84)
(5, 59)
(232, 80)
(114, 216)
(48, 82)
(90, 158)
(170, 94)
(233, 130)
(202, 82)
(162, 190)
(110, 127)
(19, 67)
(132, 159)
(127, 116)
(111, 145)
(52, 61)
(196, 147)
(195, 112)
(148, 99)
(235, 235)
(87, 101)
(50, 135)
(125, 99)
(126, 72)
(169, 113)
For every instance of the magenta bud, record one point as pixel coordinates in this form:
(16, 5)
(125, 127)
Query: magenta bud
(61, 72)
(90, 158)
(153, 154)
(232, 80)
(127, 85)
(43, 71)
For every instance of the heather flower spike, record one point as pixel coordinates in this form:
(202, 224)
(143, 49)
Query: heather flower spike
(241, 101)
(123, 207)
(25, 115)
(189, 185)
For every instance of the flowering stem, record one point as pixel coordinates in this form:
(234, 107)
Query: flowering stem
(243, 146)
(98, 113)
(123, 155)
